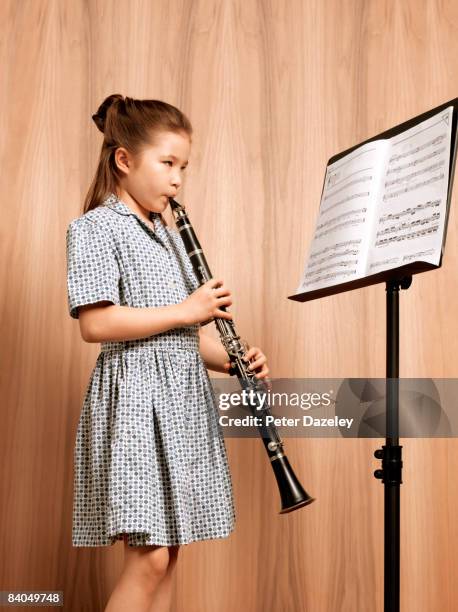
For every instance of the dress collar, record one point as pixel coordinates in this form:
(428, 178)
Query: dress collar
(113, 202)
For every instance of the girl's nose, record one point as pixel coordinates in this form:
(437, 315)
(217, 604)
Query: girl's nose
(176, 182)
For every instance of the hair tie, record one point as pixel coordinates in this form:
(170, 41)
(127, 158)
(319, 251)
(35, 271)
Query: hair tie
(100, 116)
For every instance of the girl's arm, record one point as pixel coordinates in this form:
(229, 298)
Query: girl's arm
(107, 322)
(213, 354)
(215, 357)
(112, 323)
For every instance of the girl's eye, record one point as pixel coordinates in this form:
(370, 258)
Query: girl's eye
(170, 162)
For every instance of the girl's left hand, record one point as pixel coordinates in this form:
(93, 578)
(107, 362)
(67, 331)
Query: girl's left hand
(259, 365)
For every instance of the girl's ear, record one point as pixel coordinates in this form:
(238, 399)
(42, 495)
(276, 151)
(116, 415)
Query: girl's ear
(123, 160)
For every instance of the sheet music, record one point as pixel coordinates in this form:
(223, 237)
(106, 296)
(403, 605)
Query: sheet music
(339, 246)
(413, 199)
(383, 206)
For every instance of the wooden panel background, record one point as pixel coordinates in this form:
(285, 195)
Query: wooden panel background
(273, 89)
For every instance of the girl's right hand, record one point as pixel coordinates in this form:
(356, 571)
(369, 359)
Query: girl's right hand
(205, 302)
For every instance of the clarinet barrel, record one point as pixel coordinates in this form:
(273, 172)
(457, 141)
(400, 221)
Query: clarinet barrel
(292, 494)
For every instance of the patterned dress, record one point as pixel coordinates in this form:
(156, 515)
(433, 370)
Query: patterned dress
(149, 456)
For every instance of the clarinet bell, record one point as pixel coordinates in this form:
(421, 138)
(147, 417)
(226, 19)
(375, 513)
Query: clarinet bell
(292, 494)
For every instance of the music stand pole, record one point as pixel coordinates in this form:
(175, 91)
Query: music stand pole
(391, 453)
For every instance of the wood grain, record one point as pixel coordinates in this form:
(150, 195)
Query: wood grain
(273, 89)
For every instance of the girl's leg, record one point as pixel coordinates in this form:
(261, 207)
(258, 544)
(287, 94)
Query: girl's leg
(162, 597)
(144, 568)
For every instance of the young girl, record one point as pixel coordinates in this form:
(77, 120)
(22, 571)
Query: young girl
(150, 459)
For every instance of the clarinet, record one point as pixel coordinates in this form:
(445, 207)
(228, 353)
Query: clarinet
(292, 494)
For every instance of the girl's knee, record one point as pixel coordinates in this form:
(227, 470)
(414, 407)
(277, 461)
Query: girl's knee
(150, 562)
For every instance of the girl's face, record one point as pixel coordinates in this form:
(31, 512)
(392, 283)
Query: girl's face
(156, 174)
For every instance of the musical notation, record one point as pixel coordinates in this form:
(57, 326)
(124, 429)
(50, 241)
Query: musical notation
(340, 217)
(344, 169)
(333, 256)
(350, 222)
(383, 262)
(417, 255)
(434, 141)
(413, 163)
(429, 181)
(353, 196)
(409, 177)
(337, 245)
(409, 211)
(361, 179)
(340, 264)
(408, 225)
(417, 234)
(328, 277)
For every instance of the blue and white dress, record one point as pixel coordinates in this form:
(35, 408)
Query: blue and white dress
(149, 457)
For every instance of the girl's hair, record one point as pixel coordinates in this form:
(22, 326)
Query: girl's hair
(132, 124)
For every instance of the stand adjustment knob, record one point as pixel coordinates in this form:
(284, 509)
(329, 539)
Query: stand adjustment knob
(378, 474)
(378, 454)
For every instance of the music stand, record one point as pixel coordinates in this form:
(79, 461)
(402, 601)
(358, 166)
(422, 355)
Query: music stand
(395, 279)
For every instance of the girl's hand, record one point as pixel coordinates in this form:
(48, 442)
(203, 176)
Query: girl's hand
(205, 302)
(259, 365)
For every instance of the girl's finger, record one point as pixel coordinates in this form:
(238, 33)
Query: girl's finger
(221, 314)
(214, 282)
(257, 363)
(263, 373)
(250, 353)
(254, 366)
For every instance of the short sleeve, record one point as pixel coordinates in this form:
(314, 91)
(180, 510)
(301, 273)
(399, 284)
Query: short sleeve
(92, 267)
